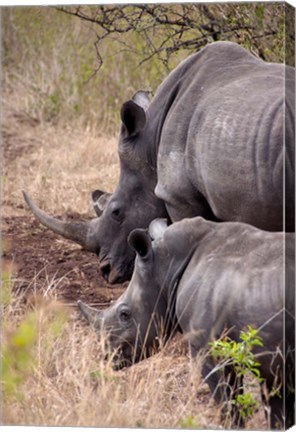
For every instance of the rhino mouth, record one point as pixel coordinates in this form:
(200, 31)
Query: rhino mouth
(120, 359)
(119, 363)
(105, 269)
(124, 354)
(116, 275)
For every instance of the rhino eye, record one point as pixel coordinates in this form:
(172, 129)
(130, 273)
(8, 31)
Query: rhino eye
(116, 214)
(124, 315)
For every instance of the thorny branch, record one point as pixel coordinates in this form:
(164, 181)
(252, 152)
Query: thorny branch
(164, 29)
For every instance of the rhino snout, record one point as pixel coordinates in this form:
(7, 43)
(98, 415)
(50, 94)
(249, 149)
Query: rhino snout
(105, 268)
(112, 274)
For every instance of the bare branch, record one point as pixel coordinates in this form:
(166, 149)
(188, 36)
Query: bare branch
(161, 30)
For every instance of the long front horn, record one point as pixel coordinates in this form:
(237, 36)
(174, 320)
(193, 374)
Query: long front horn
(83, 233)
(92, 315)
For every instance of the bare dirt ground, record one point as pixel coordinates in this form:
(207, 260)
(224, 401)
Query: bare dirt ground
(40, 256)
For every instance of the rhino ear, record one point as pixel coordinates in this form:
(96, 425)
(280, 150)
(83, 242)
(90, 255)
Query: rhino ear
(100, 200)
(140, 241)
(133, 117)
(142, 99)
(157, 227)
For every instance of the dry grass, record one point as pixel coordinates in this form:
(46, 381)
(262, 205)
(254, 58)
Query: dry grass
(59, 167)
(68, 384)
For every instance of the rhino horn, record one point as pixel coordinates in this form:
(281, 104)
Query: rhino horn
(83, 233)
(92, 315)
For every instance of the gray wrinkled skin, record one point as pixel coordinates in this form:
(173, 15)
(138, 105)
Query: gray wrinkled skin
(209, 144)
(213, 142)
(202, 278)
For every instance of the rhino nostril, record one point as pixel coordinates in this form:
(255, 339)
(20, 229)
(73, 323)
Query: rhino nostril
(105, 268)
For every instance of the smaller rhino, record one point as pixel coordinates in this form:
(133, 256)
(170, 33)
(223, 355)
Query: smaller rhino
(202, 278)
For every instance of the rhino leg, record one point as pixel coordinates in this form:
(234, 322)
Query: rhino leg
(290, 408)
(276, 411)
(278, 390)
(290, 387)
(273, 406)
(225, 386)
(281, 409)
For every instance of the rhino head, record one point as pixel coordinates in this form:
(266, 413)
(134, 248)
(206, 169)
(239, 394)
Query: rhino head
(132, 205)
(139, 321)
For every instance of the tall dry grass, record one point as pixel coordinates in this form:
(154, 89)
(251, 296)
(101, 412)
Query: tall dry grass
(67, 384)
(59, 167)
(55, 121)
(62, 118)
(50, 57)
(63, 379)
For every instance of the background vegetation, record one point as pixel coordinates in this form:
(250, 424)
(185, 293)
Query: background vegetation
(84, 62)
(64, 79)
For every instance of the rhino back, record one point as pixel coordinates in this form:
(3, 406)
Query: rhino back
(235, 153)
(235, 278)
(223, 135)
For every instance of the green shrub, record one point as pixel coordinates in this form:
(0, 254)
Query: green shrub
(188, 422)
(240, 355)
(24, 347)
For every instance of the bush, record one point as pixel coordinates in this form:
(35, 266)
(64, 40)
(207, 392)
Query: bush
(240, 355)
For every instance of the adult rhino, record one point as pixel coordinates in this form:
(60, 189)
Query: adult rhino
(213, 142)
(201, 278)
